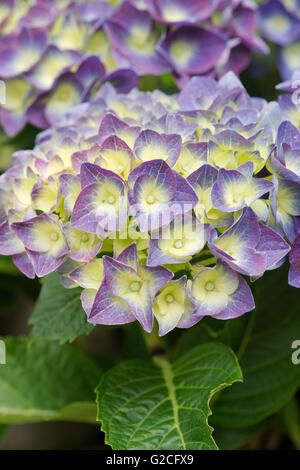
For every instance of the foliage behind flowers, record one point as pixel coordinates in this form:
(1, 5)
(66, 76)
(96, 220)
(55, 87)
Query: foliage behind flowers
(56, 54)
(156, 205)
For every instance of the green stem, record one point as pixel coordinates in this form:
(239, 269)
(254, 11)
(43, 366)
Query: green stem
(154, 342)
(241, 351)
(207, 262)
(203, 261)
(247, 335)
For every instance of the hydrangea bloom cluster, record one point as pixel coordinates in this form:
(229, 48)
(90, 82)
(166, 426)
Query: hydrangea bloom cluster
(56, 54)
(279, 22)
(158, 206)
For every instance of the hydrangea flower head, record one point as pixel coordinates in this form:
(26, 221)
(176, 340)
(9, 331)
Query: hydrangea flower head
(56, 54)
(158, 207)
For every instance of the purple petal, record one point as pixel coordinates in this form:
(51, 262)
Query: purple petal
(277, 23)
(236, 246)
(150, 145)
(70, 187)
(41, 234)
(163, 246)
(294, 275)
(151, 196)
(87, 298)
(44, 263)
(181, 11)
(294, 258)
(139, 49)
(10, 244)
(121, 281)
(289, 60)
(130, 257)
(23, 51)
(94, 12)
(13, 121)
(100, 206)
(23, 263)
(223, 195)
(289, 134)
(90, 71)
(271, 245)
(83, 246)
(156, 277)
(198, 93)
(241, 301)
(192, 50)
(116, 155)
(123, 80)
(109, 309)
(111, 125)
(90, 173)
(203, 178)
(46, 71)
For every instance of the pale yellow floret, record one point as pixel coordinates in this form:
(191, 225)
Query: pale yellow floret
(278, 23)
(170, 301)
(174, 13)
(68, 36)
(46, 198)
(117, 161)
(80, 241)
(291, 54)
(49, 67)
(48, 237)
(230, 245)
(286, 201)
(16, 14)
(141, 41)
(187, 163)
(91, 274)
(213, 287)
(183, 242)
(153, 152)
(99, 45)
(22, 189)
(16, 91)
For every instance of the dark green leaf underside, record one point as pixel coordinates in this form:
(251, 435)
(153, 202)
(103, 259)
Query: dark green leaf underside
(58, 314)
(46, 381)
(270, 377)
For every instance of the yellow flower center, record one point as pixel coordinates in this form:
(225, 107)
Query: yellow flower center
(84, 238)
(135, 286)
(54, 236)
(111, 200)
(169, 298)
(178, 244)
(150, 199)
(209, 286)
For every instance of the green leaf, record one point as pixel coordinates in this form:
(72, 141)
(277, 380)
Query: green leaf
(46, 381)
(58, 314)
(290, 416)
(133, 344)
(7, 267)
(231, 439)
(159, 405)
(264, 351)
(208, 329)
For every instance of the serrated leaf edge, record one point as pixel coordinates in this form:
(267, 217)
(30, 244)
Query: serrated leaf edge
(167, 373)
